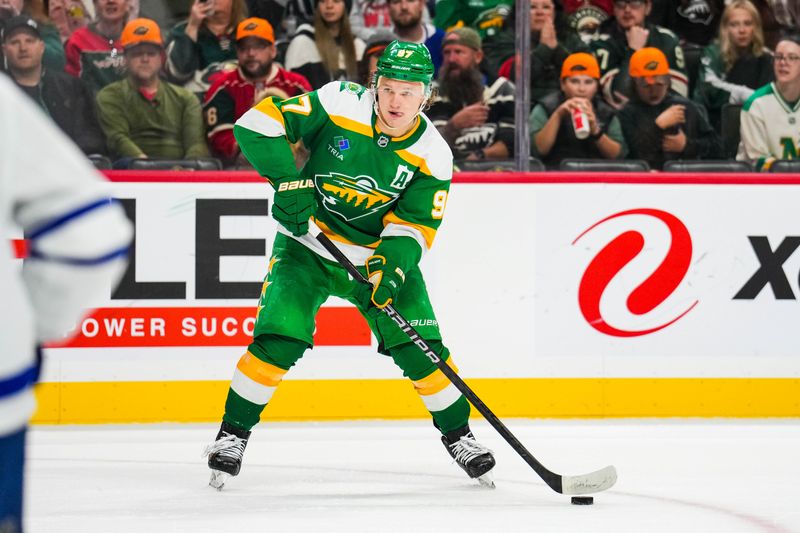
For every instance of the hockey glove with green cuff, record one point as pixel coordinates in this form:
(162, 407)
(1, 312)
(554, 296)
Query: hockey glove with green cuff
(387, 267)
(295, 202)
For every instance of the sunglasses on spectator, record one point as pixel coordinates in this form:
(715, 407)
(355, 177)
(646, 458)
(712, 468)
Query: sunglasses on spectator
(620, 4)
(791, 58)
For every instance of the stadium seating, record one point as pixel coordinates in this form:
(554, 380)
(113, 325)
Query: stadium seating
(709, 165)
(691, 56)
(498, 165)
(729, 124)
(604, 165)
(204, 163)
(786, 165)
(100, 162)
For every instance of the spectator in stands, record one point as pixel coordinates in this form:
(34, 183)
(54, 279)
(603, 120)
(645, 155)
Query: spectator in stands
(203, 45)
(551, 122)
(143, 116)
(736, 64)
(234, 92)
(770, 121)
(94, 53)
(407, 18)
(476, 121)
(68, 16)
(621, 37)
(549, 48)
(54, 58)
(64, 98)
(787, 13)
(695, 22)
(369, 16)
(326, 51)
(297, 13)
(273, 11)
(585, 17)
(770, 25)
(658, 124)
(488, 17)
(368, 64)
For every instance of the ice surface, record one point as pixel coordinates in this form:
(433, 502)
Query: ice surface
(674, 476)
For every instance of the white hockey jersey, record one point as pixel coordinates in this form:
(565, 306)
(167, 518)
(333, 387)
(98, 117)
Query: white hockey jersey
(770, 128)
(78, 241)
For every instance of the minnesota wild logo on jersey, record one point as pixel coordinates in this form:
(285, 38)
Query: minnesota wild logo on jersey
(365, 191)
(352, 198)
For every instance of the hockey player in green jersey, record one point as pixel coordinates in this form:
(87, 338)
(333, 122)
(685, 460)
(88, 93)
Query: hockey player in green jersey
(376, 182)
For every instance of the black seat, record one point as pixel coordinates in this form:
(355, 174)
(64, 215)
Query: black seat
(201, 163)
(691, 56)
(708, 165)
(786, 165)
(100, 162)
(604, 165)
(729, 126)
(498, 165)
(280, 50)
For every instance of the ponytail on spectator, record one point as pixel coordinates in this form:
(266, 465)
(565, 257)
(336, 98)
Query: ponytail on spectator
(329, 50)
(730, 54)
(238, 14)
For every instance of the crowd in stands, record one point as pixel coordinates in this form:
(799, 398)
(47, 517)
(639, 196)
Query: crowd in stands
(610, 80)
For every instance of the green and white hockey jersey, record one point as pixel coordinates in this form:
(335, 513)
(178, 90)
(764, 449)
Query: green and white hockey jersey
(770, 128)
(613, 55)
(369, 185)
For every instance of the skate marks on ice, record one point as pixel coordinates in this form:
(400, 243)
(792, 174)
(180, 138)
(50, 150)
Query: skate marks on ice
(388, 476)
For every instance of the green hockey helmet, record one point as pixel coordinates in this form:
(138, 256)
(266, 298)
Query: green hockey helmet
(406, 62)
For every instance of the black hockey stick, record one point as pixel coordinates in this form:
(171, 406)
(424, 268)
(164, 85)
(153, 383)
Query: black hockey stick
(572, 485)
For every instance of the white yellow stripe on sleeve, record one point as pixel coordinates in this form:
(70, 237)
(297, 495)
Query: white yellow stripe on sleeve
(265, 118)
(256, 380)
(394, 226)
(430, 153)
(437, 391)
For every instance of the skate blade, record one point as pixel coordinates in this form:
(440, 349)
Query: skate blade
(487, 480)
(218, 479)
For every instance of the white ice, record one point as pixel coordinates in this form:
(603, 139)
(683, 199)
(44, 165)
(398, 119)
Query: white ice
(674, 476)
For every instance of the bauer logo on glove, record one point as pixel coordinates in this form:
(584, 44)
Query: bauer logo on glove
(295, 202)
(295, 184)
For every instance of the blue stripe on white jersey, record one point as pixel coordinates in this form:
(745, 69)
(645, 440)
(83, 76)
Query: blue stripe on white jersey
(56, 223)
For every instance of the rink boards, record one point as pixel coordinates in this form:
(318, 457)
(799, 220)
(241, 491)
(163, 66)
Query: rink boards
(630, 295)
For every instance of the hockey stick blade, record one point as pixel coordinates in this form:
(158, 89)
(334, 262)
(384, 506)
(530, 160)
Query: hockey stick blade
(598, 481)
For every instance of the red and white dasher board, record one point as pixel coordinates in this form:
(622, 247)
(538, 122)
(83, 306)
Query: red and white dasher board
(649, 275)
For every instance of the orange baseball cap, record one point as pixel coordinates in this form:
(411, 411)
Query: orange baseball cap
(580, 64)
(255, 27)
(648, 63)
(140, 31)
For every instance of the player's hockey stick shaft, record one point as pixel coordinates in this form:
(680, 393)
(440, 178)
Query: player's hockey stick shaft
(581, 484)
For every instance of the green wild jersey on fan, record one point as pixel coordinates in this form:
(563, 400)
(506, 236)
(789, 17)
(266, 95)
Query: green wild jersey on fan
(368, 184)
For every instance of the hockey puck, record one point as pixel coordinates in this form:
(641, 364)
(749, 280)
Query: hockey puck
(582, 500)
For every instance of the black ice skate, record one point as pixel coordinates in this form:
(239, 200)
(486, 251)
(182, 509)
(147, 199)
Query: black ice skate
(475, 459)
(225, 454)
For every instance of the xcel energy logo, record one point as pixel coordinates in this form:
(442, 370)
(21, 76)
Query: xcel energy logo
(651, 292)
